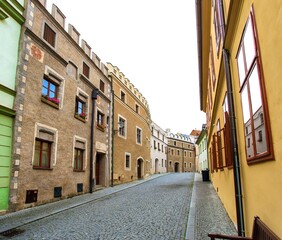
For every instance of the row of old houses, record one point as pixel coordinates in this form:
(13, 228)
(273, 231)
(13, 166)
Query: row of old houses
(71, 124)
(239, 49)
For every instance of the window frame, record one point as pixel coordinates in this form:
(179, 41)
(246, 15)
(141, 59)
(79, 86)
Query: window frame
(127, 155)
(40, 166)
(122, 128)
(139, 136)
(86, 70)
(52, 43)
(244, 85)
(75, 161)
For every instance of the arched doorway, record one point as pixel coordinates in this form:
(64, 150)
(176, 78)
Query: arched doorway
(139, 168)
(156, 165)
(176, 167)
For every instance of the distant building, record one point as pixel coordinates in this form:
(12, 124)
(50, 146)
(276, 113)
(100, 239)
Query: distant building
(132, 130)
(181, 152)
(158, 149)
(202, 149)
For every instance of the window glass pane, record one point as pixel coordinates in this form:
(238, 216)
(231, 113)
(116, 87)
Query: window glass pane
(241, 67)
(255, 90)
(37, 154)
(44, 91)
(52, 87)
(249, 44)
(45, 154)
(245, 104)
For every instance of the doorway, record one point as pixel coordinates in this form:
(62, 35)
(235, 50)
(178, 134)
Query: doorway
(176, 167)
(100, 169)
(139, 168)
(156, 165)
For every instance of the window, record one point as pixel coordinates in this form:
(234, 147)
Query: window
(136, 108)
(139, 135)
(127, 160)
(122, 96)
(121, 128)
(178, 152)
(81, 105)
(42, 154)
(190, 165)
(45, 147)
(185, 153)
(49, 35)
(162, 162)
(78, 159)
(212, 64)
(79, 156)
(172, 152)
(102, 86)
(190, 154)
(50, 90)
(219, 25)
(86, 70)
(253, 97)
(100, 120)
(155, 145)
(159, 146)
(174, 143)
(80, 108)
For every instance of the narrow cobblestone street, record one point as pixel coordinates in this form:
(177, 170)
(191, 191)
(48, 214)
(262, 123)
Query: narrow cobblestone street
(157, 209)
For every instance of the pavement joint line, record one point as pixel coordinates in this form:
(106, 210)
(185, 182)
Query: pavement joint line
(74, 205)
(190, 230)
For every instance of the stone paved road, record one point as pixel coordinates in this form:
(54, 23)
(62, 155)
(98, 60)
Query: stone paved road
(157, 209)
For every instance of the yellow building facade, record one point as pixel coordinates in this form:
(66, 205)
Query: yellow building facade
(131, 122)
(240, 50)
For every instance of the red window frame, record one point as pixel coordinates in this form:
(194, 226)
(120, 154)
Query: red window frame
(253, 95)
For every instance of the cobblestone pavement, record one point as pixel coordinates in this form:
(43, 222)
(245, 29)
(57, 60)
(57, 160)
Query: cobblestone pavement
(157, 209)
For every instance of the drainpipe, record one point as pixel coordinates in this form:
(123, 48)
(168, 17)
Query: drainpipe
(113, 133)
(94, 98)
(234, 146)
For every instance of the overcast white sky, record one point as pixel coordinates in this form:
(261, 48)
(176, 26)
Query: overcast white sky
(153, 42)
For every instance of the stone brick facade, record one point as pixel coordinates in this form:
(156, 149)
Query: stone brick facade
(76, 72)
(131, 123)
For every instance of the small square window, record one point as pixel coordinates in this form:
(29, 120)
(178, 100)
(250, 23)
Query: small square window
(86, 70)
(102, 86)
(122, 96)
(49, 35)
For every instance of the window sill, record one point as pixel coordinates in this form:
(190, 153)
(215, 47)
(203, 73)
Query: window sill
(80, 118)
(41, 168)
(101, 127)
(261, 158)
(54, 105)
(77, 170)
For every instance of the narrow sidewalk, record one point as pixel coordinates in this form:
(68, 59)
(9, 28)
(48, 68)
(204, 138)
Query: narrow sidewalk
(207, 213)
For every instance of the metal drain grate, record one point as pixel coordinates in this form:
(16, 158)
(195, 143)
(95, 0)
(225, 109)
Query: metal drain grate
(12, 232)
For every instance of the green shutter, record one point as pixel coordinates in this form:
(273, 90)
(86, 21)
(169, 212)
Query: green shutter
(5, 159)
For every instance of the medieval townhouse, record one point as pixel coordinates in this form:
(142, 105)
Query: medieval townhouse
(158, 149)
(240, 53)
(181, 152)
(11, 20)
(131, 130)
(63, 101)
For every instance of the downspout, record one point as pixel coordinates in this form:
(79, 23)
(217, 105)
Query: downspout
(94, 98)
(234, 146)
(113, 133)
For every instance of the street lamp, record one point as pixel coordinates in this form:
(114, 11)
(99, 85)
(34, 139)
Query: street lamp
(94, 98)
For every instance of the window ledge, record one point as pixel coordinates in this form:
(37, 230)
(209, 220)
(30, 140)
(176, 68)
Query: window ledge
(54, 105)
(41, 168)
(80, 118)
(77, 170)
(101, 127)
